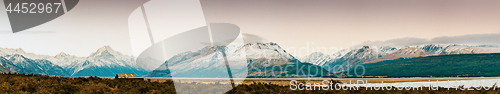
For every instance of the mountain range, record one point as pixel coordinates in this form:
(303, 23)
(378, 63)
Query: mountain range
(252, 59)
(105, 62)
(346, 59)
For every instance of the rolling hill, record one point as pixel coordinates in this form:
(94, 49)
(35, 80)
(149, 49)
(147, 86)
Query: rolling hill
(469, 65)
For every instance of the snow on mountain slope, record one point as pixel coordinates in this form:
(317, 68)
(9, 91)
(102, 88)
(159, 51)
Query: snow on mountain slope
(4, 69)
(355, 57)
(267, 54)
(105, 62)
(321, 59)
(9, 51)
(446, 49)
(403, 53)
(470, 50)
(62, 59)
(434, 49)
(318, 58)
(202, 63)
(389, 50)
(372, 54)
(8, 64)
(211, 59)
(105, 56)
(37, 66)
(19, 51)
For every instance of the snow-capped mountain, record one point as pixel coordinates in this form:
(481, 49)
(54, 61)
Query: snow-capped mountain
(446, 49)
(13, 68)
(373, 54)
(62, 59)
(8, 51)
(434, 49)
(318, 58)
(470, 50)
(403, 53)
(105, 62)
(19, 51)
(3, 65)
(355, 57)
(21, 64)
(249, 57)
(388, 49)
(202, 63)
(267, 54)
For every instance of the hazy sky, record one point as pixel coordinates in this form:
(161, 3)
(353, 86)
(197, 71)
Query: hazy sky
(90, 25)
(293, 24)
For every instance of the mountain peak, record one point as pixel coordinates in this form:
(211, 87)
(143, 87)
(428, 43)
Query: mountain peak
(20, 50)
(12, 50)
(62, 54)
(17, 55)
(105, 48)
(104, 51)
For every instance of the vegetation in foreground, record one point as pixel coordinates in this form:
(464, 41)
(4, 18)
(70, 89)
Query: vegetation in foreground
(20, 83)
(463, 65)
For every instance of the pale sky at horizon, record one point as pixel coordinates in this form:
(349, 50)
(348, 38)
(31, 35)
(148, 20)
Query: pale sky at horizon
(345, 23)
(290, 23)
